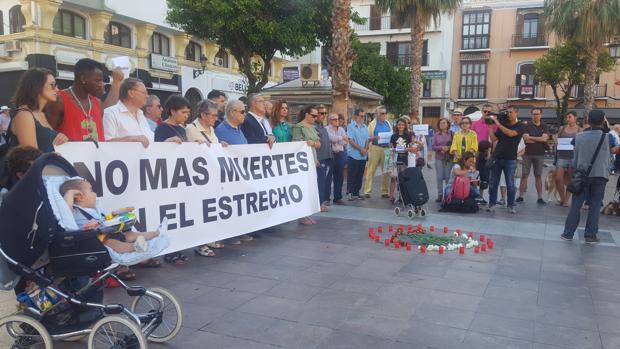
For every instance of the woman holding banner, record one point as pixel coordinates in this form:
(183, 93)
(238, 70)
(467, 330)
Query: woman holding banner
(281, 122)
(305, 130)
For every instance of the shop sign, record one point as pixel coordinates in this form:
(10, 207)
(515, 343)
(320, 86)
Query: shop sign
(165, 63)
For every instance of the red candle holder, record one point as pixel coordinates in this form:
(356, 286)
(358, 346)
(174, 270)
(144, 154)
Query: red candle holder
(380, 229)
(422, 248)
(481, 238)
(461, 250)
(392, 239)
(483, 248)
(477, 249)
(402, 227)
(419, 226)
(445, 230)
(432, 228)
(458, 231)
(490, 244)
(397, 245)
(441, 249)
(390, 228)
(470, 235)
(377, 238)
(408, 246)
(371, 231)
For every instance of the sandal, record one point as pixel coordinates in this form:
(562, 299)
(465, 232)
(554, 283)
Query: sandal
(204, 251)
(176, 258)
(216, 245)
(305, 221)
(151, 263)
(126, 274)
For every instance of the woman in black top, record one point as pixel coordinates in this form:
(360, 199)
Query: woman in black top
(401, 143)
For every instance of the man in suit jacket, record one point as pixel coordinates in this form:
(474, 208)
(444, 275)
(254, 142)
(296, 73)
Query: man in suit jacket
(256, 127)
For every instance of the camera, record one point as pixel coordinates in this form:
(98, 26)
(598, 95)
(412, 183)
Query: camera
(502, 117)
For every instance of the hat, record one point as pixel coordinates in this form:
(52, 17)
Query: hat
(457, 111)
(596, 117)
(4, 107)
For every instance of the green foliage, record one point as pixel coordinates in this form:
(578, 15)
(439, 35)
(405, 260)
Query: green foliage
(375, 72)
(251, 28)
(564, 67)
(418, 10)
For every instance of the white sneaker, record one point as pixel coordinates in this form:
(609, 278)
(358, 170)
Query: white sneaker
(512, 210)
(490, 208)
(140, 245)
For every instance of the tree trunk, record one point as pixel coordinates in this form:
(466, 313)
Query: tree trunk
(590, 79)
(417, 42)
(341, 57)
(558, 103)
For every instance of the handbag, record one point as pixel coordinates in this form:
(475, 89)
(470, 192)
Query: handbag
(580, 177)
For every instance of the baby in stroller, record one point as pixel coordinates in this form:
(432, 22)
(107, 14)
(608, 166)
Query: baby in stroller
(80, 197)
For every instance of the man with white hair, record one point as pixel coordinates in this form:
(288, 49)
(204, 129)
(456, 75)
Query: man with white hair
(152, 111)
(229, 130)
(376, 154)
(256, 127)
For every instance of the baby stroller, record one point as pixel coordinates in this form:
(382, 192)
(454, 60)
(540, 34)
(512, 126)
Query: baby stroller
(38, 249)
(412, 194)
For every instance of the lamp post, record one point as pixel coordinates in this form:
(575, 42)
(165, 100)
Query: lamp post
(203, 65)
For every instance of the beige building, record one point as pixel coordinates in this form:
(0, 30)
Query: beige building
(495, 45)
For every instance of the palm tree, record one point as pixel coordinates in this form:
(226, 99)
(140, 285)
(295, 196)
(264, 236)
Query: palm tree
(591, 23)
(418, 13)
(341, 56)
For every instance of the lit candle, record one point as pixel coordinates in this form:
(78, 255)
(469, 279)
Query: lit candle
(483, 247)
(422, 248)
(477, 249)
(380, 229)
(461, 250)
(390, 228)
(441, 249)
(387, 242)
(408, 246)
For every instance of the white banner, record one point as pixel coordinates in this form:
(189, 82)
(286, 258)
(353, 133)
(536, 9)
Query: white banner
(207, 193)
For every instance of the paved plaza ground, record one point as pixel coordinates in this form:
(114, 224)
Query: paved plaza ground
(328, 286)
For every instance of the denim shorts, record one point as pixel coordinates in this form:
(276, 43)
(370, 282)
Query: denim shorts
(565, 163)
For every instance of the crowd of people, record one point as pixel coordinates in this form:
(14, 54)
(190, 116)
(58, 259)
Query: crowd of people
(487, 150)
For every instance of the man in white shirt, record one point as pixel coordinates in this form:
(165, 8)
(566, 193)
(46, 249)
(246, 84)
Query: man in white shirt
(256, 127)
(125, 121)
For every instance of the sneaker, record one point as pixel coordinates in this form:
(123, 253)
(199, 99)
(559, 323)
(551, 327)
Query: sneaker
(490, 208)
(367, 196)
(501, 202)
(592, 240)
(246, 237)
(566, 237)
(359, 197)
(512, 210)
(339, 202)
(350, 197)
(519, 199)
(541, 202)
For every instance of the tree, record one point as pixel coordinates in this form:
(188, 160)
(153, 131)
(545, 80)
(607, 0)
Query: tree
(251, 28)
(375, 72)
(591, 23)
(418, 13)
(563, 68)
(341, 56)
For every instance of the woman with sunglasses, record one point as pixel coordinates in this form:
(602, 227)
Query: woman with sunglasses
(305, 130)
(464, 140)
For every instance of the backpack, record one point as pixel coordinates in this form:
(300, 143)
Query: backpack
(460, 188)
(468, 205)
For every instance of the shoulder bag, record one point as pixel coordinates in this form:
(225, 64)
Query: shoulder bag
(580, 177)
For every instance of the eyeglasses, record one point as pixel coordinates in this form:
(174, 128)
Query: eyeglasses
(242, 111)
(323, 113)
(315, 115)
(486, 111)
(536, 114)
(143, 92)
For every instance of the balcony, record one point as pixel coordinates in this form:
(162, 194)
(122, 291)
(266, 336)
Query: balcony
(405, 59)
(526, 91)
(600, 91)
(378, 23)
(520, 40)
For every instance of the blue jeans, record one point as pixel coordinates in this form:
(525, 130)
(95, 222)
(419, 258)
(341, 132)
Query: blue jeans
(336, 175)
(509, 167)
(593, 194)
(322, 173)
(355, 175)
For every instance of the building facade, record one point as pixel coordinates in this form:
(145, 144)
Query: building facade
(495, 45)
(395, 41)
(55, 34)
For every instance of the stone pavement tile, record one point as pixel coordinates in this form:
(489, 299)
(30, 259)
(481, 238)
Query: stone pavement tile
(251, 284)
(607, 295)
(473, 266)
(609, 324)
(441, 283)
(519, 296)
(506, 308)
(378, 270)
(336, 268)
(372, 324)
(350, 340)
(452, 300)
(242, 325)
(330, 317)
(313, 279)
(468, 275)
(546, 346)
(607, 308)
(610, 340)
(293, 335)
(432, 336)
(400, 306)
(514, 282)
(576, 317)
(297, 292)
(474, 340)
(445, 316)
(200, 339)
(270, 306)
(519, 268)
(343, 299)
(503, 326)
(566, 337)
(356, 285)
(213, 296)
(197, 316)
(211, 278)
(256, 270)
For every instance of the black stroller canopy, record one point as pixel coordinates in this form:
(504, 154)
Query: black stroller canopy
(27, 222)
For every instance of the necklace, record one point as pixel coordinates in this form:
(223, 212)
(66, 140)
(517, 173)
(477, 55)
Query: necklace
(87, 116)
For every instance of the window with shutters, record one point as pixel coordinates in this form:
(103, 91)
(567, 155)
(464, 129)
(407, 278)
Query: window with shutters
(473, 80)
(426, 88)
(69, 24)
(221, 58)
(401, 53)
(16, 19)
(160, 44)
(193, 51)
(118, 34)
(476, 29)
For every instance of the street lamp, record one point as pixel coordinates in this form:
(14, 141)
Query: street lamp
(203, 65)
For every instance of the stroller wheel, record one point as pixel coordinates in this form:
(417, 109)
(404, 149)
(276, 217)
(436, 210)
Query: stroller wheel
(114, 332)
(24, 332)
(397, 211)
(172, 317)
(416, 210)
(423, 213)
(410, 214)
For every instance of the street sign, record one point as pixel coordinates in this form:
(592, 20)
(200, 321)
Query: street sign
(435, 75)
